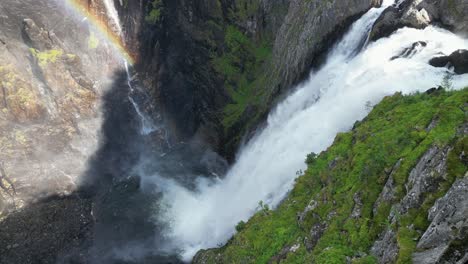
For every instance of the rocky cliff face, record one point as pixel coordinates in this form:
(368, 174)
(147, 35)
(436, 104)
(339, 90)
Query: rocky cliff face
(421, 13)
(309, 30)
(52, 72)
(216, 67)
(55, 68)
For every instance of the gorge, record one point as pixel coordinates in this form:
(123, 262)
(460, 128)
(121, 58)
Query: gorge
(176, 131)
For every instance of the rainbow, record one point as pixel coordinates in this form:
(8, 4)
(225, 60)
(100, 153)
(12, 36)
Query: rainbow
(103, 28)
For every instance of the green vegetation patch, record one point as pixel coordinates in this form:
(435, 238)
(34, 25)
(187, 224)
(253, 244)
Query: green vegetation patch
(48, 56)
(350, 175)
(93, 41)
(154, 15)
(241, 65)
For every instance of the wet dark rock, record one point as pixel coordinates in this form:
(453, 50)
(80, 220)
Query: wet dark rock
(434, 90)
(442, 61)
(409, 52)
(406, 14)
(458, 60)
(386, 24)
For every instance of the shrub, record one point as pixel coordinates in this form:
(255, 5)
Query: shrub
(240, 226)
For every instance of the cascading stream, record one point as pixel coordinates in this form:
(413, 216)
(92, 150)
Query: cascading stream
(330, 101)
(147, 125)
(113, 15)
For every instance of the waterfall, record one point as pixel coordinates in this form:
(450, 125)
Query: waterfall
(147, 125)
(113, 15)
(329, 102)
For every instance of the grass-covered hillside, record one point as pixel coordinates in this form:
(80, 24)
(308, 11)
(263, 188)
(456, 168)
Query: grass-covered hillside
(366, 199)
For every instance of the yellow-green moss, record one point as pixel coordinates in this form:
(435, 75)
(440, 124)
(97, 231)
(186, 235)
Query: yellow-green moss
(93, 41)
(45, 57)
(154, 14)
(20, 137)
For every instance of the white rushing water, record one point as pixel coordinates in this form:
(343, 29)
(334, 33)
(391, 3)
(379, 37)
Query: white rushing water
(113, 15)
(330, 101)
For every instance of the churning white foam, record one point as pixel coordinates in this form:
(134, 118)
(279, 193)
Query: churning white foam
(307, 121)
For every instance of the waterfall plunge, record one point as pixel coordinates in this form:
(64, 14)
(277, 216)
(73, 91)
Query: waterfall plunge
(330, 101)
(113, 15)
(147, 125)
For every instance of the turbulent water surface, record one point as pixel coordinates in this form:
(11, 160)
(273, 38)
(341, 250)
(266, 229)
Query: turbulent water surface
(330, 101)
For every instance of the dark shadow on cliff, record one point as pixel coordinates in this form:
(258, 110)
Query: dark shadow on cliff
(120, 179)
(109, 219)
(124, 229)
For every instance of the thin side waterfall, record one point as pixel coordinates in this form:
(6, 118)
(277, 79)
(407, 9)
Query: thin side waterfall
(147, 125)
(329, 102)
(113, 15)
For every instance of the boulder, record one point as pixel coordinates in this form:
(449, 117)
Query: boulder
(449, 224)
(458, 60)
(441, 61)
(417, 18)
(386, 24)
(410, 51)
(408, 13)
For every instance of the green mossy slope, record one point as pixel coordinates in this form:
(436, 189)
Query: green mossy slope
(318, 223)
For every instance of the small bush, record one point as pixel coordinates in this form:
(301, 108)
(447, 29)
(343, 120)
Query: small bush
(310, 158)
(154, 15)
(240, 226)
